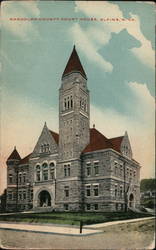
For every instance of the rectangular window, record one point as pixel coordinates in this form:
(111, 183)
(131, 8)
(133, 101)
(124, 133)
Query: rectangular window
(96, 190)
(10, 195)
(96, 168)
(66, 207)
(31, 195)
(115, 168)
(116, 190)
(121, 169)
(88, 206)
(45, 174)
(52, 174)
(10, 178)
(121, 191)
(68, 170)
(20, 178)
(88, 190)
(38, 176)
(20, 195)
(88, 171)
(24, 177)
(65, 170)
(24, 195)
(96, 207)
(66, 191)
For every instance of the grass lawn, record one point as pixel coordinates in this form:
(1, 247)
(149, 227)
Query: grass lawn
(71, 218)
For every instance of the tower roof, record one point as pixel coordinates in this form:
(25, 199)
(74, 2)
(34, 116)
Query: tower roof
(14, 155)
(74, 65)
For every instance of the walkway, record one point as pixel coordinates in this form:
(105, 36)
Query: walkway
(111, 223)
(48, 229)
(62, 229)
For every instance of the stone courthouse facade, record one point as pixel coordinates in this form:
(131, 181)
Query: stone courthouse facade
(78, 169)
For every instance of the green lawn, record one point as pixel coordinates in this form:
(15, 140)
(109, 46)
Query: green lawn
(71, 218)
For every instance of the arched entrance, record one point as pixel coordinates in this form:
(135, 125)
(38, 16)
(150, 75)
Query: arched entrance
(44, 199)
(131, 200)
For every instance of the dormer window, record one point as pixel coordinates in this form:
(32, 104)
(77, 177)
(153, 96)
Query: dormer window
(45, 148)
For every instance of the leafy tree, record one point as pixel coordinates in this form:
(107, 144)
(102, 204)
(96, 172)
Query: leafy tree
(147, 185)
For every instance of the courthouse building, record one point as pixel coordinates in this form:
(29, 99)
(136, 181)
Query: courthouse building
(79, 168)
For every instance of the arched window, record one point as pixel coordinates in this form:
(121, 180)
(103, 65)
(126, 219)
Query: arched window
(45, 171)
(52, 171)
(24, 177)
(38, 173)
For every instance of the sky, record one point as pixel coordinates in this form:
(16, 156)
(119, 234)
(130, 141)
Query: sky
(118, 58)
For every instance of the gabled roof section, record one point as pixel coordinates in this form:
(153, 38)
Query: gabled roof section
(55, 136)
(25, 160)
(116, 142)
(14, 155)
(74, 65)
(97, 141)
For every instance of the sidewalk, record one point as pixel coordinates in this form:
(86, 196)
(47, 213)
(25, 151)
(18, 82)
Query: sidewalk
(94, 226)
(48, 229)
(64, 230)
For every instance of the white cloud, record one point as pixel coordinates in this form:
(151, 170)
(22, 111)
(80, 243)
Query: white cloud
(21, 122)
(111, 10)
(141, 131)
(21, 29)
(82, 41)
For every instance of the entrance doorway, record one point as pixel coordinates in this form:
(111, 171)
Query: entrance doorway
(44, 199)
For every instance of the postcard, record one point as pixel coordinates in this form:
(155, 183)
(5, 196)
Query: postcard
(77, 125)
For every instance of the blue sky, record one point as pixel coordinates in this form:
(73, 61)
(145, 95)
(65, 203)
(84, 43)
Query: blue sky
(118, 58)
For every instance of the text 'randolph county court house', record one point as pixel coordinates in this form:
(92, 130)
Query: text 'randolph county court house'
(79, 168)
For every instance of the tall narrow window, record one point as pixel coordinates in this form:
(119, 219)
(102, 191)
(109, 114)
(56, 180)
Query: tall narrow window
(71, 102)
(68, 103)
(88, 193)
(10, 178)
(121, 169)
(121, 191)
(116, 190)
(45, 171)
(96, 190)
(38, 173)
(88, 169)
(24, 177)
(96, 168)
(68, 170)
(65, 170)
(20, 178)
(65, 104)
(115, 168)
(24, 195)
(66, 191)
(20, 195)
(52, 171)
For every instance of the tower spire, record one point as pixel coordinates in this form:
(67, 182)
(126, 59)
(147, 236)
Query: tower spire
(74, 65)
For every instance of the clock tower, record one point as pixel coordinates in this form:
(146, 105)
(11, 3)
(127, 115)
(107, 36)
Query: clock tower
(73, 109)
(74, 134)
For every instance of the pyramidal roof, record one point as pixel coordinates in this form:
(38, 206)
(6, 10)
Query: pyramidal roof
(98, 141)
(14, 155)
(74, 65)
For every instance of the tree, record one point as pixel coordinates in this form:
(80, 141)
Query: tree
(147, 185)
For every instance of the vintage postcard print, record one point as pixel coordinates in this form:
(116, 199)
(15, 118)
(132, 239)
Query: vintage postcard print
(77, 125)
